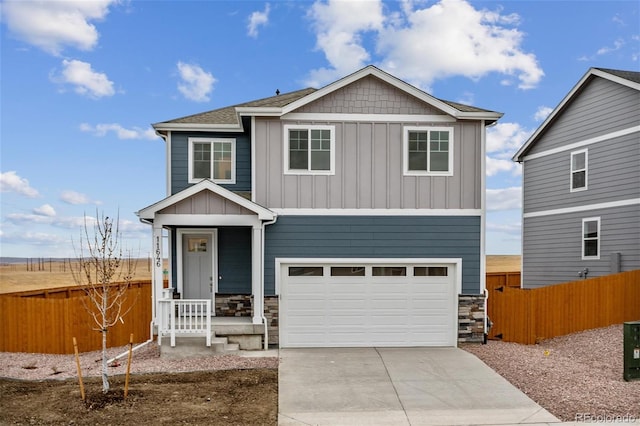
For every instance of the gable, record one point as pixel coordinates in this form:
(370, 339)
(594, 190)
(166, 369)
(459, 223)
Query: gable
(206, 197)
(369, 95)
(600, 108)
(602, 102)
(206, 202)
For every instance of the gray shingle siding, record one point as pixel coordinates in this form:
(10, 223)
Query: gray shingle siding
(553, 250)
(376, 237)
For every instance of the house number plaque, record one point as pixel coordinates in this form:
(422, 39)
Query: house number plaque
(158, 257)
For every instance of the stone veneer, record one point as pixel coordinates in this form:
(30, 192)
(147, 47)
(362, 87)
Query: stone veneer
(233, 305)
(471, 318)
(271, 314)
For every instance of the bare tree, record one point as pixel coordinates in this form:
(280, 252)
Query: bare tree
(104, 274)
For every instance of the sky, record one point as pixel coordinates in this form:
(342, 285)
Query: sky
(81, 82)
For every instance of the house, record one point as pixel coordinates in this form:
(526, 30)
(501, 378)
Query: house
(351, 215)
(581, 183)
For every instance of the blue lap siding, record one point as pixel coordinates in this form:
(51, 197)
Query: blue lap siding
(180, 157)
(376, 237)
(234, 260)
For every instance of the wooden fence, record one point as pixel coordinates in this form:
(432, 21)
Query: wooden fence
(46, 321)
(530, 315)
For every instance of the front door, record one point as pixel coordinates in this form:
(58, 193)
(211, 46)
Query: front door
(197, 267)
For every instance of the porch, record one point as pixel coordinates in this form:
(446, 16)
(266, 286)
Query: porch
(190, 325)
(214, 245)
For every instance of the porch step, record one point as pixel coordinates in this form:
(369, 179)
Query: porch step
(221, 344)
(247, 336)
(193, 346)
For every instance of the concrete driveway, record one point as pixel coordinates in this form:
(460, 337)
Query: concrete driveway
(397, 386)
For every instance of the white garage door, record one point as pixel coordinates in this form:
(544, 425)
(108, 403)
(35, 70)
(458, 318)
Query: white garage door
(367, 304)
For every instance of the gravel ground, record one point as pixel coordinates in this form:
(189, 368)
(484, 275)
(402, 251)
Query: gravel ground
(575, 377)
(147, 359)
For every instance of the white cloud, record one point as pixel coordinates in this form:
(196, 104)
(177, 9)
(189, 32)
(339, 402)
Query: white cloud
(507, 228)
(456, 38)
(339, 26)
(11, 182)
(497, 165)
(503, 140)
(506, 137)
(617, 45)
(196, 84)
(45, 210)
(504, 199)
(76, 198)
(85, 80)
(102, 129)
(52, 25)
(542, 113)
(59, 222)
(257, 19)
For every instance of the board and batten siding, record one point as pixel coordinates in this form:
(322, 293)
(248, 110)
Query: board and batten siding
(376, 237)
(613, 174)
(601, 108)
(552, 252)
(180, 159)
(368, 170)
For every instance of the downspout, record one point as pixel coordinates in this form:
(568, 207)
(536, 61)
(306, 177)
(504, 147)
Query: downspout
(264, 319)
(143, 344)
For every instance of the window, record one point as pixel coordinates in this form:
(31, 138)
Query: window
(428, 151)
(212, 159)
(389, 271)
(309, 149)
(430, 271)
(591, 238)
(306, 271)
(197, 245)
(579, 170)
(347, 271)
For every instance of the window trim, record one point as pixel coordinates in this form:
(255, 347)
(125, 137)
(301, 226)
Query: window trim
(309, 127)
(193, 141)
(583, 239)
(405, 151)
(572, 171)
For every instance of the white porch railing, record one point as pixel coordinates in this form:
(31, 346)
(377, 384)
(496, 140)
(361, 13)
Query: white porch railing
(184, 316)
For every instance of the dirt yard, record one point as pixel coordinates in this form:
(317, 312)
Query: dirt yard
(503, 263)
(20, 277)
(228, 397)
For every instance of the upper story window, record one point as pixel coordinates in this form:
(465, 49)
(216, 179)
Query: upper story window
(579, 170)
(213, 159)
(591, 238)
(309, 149)
(428, 151)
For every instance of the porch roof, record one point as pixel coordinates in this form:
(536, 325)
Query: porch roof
(148, 214)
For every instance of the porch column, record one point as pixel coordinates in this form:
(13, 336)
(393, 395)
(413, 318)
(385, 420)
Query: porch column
(256, 274)
(158, 276)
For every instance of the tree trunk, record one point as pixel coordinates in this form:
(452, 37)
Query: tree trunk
(105, 373)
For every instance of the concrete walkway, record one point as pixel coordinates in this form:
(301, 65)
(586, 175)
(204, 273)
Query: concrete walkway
(398, 386)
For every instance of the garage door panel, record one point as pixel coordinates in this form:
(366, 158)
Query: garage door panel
(367, 310)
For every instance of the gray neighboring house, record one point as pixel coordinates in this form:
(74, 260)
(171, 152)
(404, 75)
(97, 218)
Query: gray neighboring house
(351, 215)
(581, 183)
